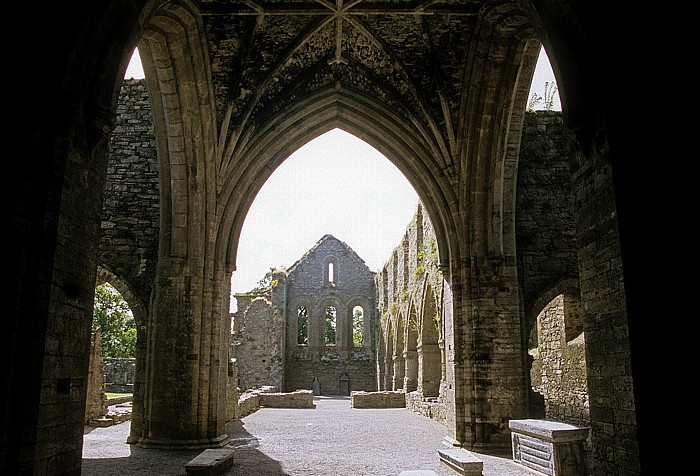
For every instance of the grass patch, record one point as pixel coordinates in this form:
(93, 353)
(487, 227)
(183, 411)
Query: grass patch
(112, 394)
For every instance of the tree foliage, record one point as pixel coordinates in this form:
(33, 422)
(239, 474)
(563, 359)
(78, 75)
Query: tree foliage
(117, 326)
(357, 327)
(330, 325)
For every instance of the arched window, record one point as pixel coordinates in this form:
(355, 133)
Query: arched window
(302, 326)
(358, 316)
(330, 272)
(330, 325)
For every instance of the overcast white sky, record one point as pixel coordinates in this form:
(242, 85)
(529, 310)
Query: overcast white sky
(335, 184)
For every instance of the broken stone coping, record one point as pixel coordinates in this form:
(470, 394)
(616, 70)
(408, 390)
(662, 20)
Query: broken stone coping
(462, 461)
(210, 462)
(549, 430)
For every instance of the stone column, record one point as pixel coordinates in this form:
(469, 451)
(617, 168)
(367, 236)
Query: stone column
(411, 375)
(430, 369)
(187, 364)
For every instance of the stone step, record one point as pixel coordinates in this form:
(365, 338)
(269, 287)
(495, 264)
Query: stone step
(211, 462)
(462, 461)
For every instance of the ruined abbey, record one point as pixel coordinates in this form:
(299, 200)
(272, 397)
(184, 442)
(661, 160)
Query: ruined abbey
(515, 294)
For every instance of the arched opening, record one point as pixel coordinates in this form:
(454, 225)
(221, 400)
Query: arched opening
(429, 352)
(302, 326)
(289, 214)
(330, 320)
(358, 326)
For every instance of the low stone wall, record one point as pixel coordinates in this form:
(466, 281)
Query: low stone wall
(386, 399)
(298, 399)
(432, 408)
(250, 401)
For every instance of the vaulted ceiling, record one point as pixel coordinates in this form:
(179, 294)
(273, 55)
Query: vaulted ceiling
(416, 57)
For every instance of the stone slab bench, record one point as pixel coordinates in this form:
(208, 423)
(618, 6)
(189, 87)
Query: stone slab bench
(462, 461)
(211, 462)
(549, 447)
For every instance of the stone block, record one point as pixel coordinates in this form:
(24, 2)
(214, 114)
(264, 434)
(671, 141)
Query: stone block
(462, 461)
(549, 447)
(383, 399)
(211, 462)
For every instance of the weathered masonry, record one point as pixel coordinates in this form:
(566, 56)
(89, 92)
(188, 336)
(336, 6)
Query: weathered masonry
(313, 328)
(438, 88)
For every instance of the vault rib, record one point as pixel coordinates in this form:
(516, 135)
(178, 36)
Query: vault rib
(379, 43)
(442, 94)
(304, 38)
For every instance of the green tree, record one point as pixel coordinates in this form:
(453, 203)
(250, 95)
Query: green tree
(330, 325)
(302, 326)
(117, 326)
(264, 284)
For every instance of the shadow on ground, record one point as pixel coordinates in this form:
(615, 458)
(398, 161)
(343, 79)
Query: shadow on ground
(133, 460)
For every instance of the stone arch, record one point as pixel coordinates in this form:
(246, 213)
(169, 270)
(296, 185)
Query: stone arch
(367, 318)
(324, 306)
(137, 306)
(326, 109)
(532, 310)
(173, 51)
(140, 312)
(293, 334)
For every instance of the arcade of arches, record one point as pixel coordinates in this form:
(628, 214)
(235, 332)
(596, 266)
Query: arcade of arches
(439, 88)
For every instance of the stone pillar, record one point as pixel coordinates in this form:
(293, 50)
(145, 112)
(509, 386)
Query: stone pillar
(187, 364)
(399, 369)
(96, 405)
(411, 375)
(429, 369)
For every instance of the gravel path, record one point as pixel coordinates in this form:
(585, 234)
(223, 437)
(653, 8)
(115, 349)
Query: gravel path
(331, 440)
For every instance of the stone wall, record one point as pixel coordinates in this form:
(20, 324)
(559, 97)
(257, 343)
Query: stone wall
(560, 365)
(329, 274)
(131, 209)
(119, 374)
(545, 228)
(411, 301)
(258, 334)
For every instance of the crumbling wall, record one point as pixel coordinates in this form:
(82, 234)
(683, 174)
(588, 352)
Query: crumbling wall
(258, 333)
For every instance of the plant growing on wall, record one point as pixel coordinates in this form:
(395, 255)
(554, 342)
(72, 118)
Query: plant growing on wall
(550, 90)
(117, 326)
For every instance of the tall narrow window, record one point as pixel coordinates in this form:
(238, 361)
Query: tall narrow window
(358, 326)
(331, 276)
(330, 325)
(302, 326)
